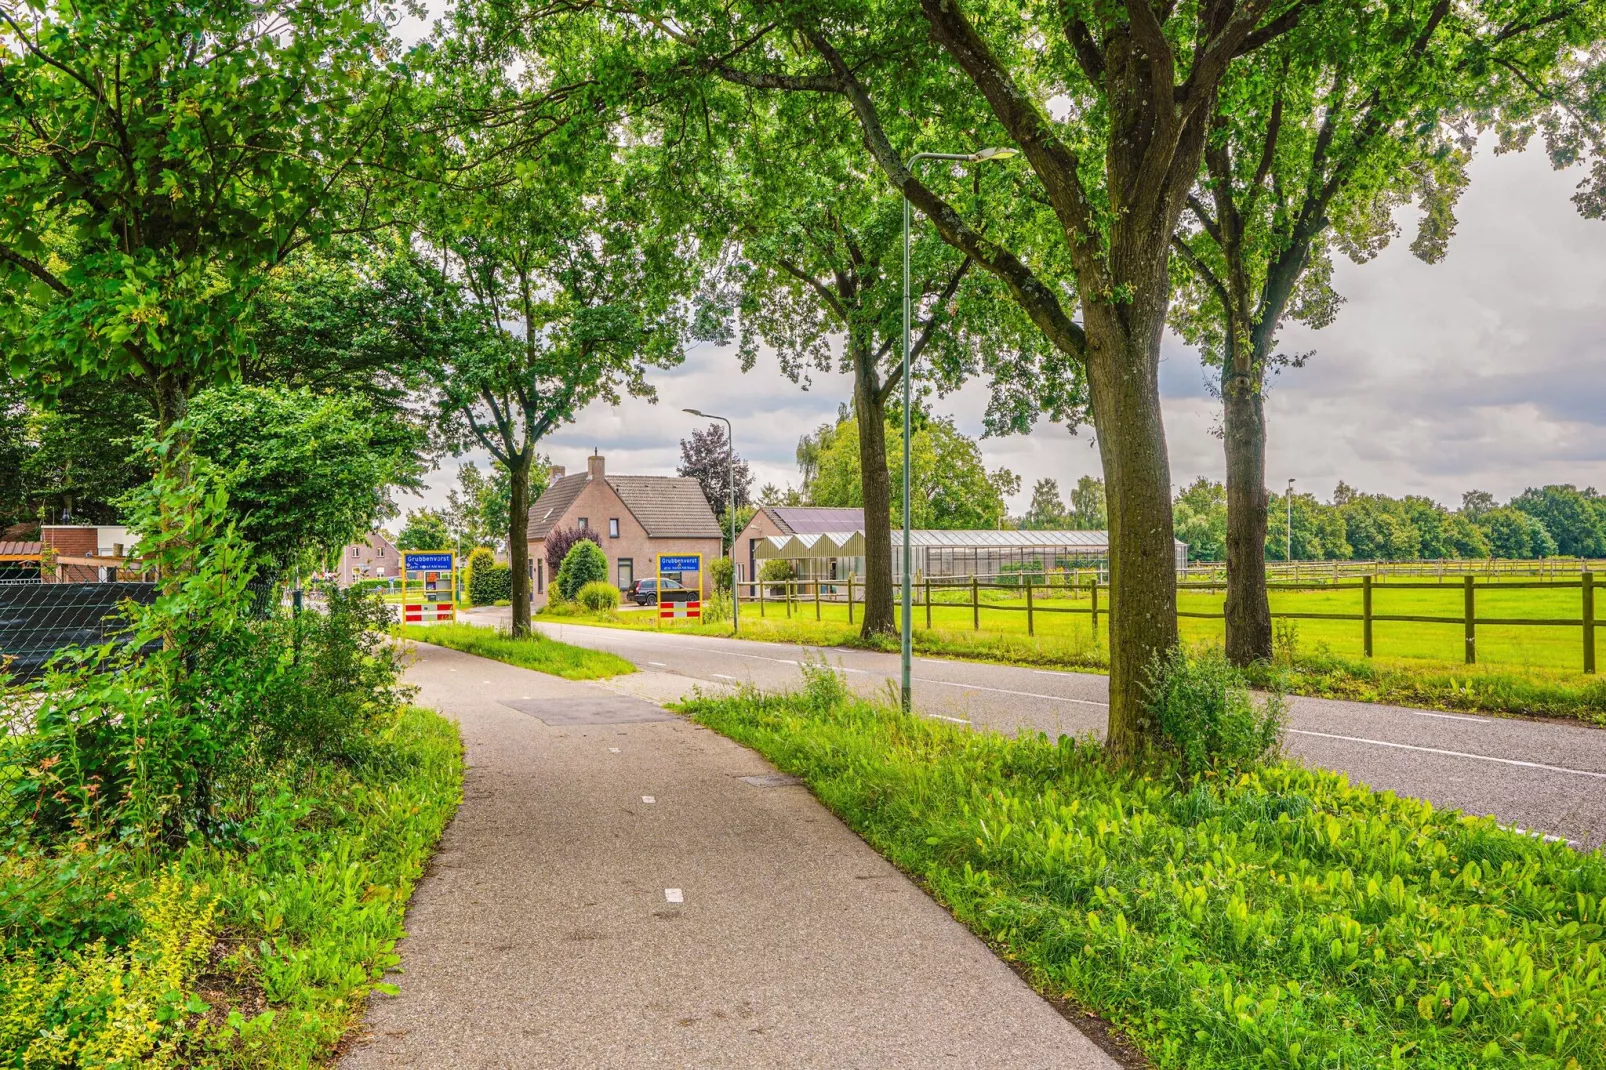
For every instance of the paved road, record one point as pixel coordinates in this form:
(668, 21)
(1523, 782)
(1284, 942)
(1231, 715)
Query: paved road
(1545, 776)
(612, 895)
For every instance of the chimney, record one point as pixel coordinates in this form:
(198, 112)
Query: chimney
(594, 465)
(555, 472)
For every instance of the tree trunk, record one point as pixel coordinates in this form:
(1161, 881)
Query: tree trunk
(172, 402)
(1123, 374)
(879, 618)
(1248, 608)
(518, 547)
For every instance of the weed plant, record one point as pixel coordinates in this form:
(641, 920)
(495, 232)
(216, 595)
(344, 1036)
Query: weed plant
(210, 824)
(1275, 916)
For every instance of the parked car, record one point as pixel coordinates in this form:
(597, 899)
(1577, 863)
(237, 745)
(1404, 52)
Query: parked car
(645, 592)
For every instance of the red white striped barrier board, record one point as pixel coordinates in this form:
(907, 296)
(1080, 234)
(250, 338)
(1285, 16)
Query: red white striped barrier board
(692, 610)
(418, 613)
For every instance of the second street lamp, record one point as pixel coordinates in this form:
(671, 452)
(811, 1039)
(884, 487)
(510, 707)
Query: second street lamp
(730, 484)
(906, 636)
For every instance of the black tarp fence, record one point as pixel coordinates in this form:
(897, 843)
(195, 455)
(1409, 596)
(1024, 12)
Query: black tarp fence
(39, 619)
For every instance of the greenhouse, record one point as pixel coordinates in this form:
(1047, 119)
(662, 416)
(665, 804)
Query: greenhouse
(947, 554)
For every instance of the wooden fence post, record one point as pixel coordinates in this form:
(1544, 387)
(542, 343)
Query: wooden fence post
(850, 598)
(975, 604)
(1472, 621)
(787, 588)
(1366, 614)
(1589, 621)
(816, 599)
(1030, 630)
(761, 599)
(928, 603)
(1094, 588)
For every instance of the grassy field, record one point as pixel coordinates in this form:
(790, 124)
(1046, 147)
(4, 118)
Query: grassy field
(1520, 669)
(533, 652)
(1284, 918)
(1505, 646)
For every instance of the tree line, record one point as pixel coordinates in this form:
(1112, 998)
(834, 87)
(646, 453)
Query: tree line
(538, 205)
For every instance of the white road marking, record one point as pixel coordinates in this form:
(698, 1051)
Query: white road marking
(1007, 691)
(674, 895)
(660, 664)
(649, 798)
(721, 676)
(1452, 753)
(1446, 716)
(613, 750)
(943, 717)
(1052, 672)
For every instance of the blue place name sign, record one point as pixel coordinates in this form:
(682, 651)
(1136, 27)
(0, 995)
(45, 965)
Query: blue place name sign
(687, 563)
(415, 562)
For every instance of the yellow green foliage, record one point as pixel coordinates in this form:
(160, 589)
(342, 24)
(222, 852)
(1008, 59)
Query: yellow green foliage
(109, 1008)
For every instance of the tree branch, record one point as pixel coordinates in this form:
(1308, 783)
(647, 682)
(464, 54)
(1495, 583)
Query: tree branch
(895, 376)
(36, 269)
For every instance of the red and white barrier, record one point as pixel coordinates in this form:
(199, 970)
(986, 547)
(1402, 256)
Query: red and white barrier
(422, 612)
(690, 610)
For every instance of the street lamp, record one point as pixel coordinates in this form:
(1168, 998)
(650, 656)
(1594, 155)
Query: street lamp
(1288, 539)
(979, 156)
(730, 481)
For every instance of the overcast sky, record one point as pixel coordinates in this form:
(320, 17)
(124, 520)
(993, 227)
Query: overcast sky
(1487, 370)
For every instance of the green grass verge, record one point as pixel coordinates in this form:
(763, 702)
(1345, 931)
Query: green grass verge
(258, 955)
(1286, 919)
(532, 652)
(1435, 685)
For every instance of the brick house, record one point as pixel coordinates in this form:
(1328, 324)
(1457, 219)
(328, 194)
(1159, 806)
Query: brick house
(375, 558)
(637, 518)
(85, 540)
(798, 520)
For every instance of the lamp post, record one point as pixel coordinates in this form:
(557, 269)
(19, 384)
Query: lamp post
(906, 645)
(1288, 538)
(730, 485)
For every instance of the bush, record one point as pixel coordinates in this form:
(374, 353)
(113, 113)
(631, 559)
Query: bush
(599, 596)
(558, 544)
(723, 573)
(585, 563)
(1204, 710)
(776, 570)
(489, 584)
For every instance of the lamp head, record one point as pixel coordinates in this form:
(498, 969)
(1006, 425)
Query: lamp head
(694, 412)
(981, 155)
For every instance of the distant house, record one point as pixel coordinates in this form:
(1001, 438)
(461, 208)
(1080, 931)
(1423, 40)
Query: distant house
(637, 518)
(85, 541)
(375, 558)
(798, 520)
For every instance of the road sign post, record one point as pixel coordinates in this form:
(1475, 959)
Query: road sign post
(431, 565)
(688, 608)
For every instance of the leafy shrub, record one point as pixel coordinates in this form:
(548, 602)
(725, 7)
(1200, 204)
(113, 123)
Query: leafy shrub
(585, 563)
(723, 574)
(481, 557)
(560, 541)
(1206, 713)
(775, 571)
(599, 596)
(488, 583)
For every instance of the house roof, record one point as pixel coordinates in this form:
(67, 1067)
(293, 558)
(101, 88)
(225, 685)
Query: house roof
(807, 520)
(663, 505)
(667, 505)
(549, 508)
(18, 547)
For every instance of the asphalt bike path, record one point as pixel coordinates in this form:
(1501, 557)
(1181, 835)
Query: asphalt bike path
(1548, 777)
(613, 894)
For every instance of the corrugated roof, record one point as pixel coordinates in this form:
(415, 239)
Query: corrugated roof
(851, 543)
(553, 503)
(667, 505)
(812, 519)
(18, 547)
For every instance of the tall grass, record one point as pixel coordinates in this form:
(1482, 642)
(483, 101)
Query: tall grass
(534, 651)
(1279, 917)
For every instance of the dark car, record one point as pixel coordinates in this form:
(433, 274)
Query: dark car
(645, 592)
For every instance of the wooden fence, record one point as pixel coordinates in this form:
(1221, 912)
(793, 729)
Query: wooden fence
(789, 596)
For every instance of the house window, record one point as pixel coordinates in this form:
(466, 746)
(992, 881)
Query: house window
(584, 523)
(627, 573)
(613, 527)
(381, 551)
(381, 570)
(540, 577)
(355, 550)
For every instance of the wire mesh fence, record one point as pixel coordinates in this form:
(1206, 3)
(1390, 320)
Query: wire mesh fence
(38, 620)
